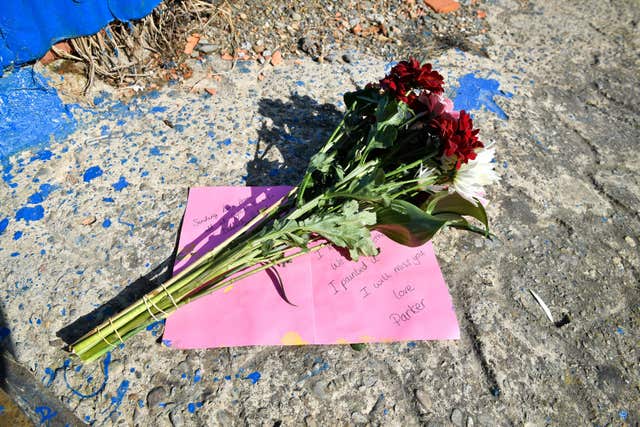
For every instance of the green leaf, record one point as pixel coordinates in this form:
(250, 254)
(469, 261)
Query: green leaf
(361, 98)
(347, 228)
(431, 202)
(321, 162)
(391, 112)
(385, 136)
(456, 204)
(358, 346)
(407, 224)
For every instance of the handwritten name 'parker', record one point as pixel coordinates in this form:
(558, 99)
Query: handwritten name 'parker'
(407, 315)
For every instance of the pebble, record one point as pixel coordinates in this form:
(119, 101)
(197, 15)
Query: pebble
(457, 417)
(206, 48)
(423, 399)
(630, 241)
(155, 396)
(348, 58)
(331, 57)
(89, 220)
(276, 59)
(176, 418)
(359, 418)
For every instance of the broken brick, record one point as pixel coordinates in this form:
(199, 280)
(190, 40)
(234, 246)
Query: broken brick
(443, 6)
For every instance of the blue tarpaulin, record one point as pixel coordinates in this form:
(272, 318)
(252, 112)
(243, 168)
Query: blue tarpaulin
(28, 28)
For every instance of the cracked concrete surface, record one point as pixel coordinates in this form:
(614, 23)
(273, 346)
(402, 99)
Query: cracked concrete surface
(565, 212)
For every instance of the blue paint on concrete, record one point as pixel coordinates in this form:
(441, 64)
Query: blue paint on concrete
(191, 407)
(106, 223)
(155, 151)
(51, 376)
(116, 400)
(3, 225)
(31, 112)
(122, 183)
(17, 235)
(106, 362)
(128, 224)
(29, 28)
(156, 328)
(158, 109)
(475, 93)
(45, 413)
(42, 155)
(122, 390)
(92, 173)
(30, 213)
(6, 172)
(41, 196)
(254, 377)
(107, 199)
(197, 376)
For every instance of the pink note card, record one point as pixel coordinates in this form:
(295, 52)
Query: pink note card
(398, 295)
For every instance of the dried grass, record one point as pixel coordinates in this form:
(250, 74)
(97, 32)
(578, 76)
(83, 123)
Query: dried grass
(125, 53)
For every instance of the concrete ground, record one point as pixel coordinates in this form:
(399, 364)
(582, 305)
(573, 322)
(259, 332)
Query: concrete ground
(557, 92)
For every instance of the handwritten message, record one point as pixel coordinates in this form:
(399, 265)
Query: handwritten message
(397, 295)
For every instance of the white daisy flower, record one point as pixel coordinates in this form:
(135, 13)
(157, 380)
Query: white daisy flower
(473, 176)
(427, 176)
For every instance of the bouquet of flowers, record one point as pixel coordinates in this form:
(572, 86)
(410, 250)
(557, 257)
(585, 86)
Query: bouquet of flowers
(401, 162)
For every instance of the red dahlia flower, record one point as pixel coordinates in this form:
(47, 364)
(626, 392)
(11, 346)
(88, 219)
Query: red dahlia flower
(458, 137)
(408, 75)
